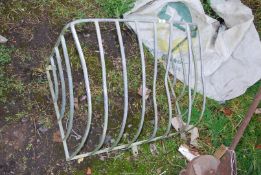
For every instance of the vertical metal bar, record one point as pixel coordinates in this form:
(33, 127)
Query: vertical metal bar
(202, 78)
(174, 96)
(104, 83)
(174, 72)
(125, 80)
(195, 68)
(202, 82)
(56, 108)
(70, 82)
(173, 84)
(154, 81)
(189, 69)
(195, 80)
(184, 78)
(143, 85)
(59, 62)
(87, 88)
(56, 88)
(183, 89)
(166, 78)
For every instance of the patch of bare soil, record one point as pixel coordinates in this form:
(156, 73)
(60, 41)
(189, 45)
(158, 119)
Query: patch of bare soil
(33, 42)
(26, 146)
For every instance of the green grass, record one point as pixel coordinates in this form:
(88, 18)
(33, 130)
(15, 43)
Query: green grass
(8, 84)
(208, 10)
(115, 8)
(221, 129)
(5, 57)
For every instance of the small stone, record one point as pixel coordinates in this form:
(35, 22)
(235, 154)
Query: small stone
(24, 119)
(43, 129)
(3, 39)
(86, 35)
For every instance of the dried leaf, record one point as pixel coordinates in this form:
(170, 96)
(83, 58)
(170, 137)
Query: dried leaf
(76, 104)
(258, 111)
(57, 136)
(220, 151)
(194, 135)
(3, 39)
(88, 171)
(177, 123)
(147, 92)
(258, 146)
(159, 170)
(153, 149)
(227, 111)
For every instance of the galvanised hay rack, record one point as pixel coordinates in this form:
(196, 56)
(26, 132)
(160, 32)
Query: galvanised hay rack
(56, 79)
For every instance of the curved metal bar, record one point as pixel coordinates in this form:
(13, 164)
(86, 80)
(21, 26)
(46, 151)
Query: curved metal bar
(70, 82)
(113, 20)
(174, 95)
(184, 78)
(184, 84)
(143, 85)
(203, 87)
(202, 81)
(87, 88)
(57, 112)
(104, 84)
(55, 79)
(125, 80)
(154, 81)
(166, 79)
(60, 68)
(189, 70)
(173, 84)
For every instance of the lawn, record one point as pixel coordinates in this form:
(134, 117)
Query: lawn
(27, 120)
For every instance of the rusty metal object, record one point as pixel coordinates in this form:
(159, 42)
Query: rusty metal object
(208, 165)
(246, 121)
(228, 161)
(202, 165)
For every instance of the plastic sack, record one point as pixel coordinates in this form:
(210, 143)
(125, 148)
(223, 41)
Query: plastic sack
(231, 51)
